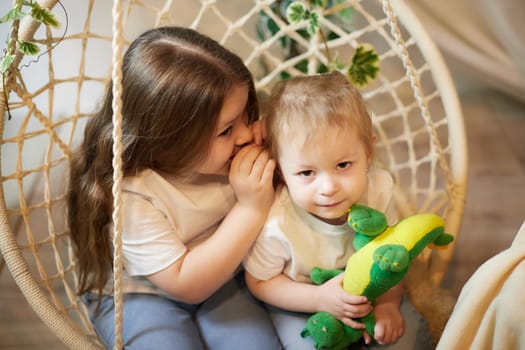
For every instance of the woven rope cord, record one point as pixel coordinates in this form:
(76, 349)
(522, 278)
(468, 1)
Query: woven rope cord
(414, 80)
(55, 319)
(117, 45)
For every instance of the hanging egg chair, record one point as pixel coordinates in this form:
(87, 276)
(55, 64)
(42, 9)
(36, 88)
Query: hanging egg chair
(46, 100)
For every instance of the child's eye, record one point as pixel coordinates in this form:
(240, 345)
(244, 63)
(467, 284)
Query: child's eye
(306, 173)
(226, 131)
(344, 165)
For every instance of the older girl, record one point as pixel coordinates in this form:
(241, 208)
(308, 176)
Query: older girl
(196, 192)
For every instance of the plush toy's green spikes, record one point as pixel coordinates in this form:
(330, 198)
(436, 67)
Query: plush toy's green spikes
(391, 257)
(366, 220)
(381, 281)
(330, 333)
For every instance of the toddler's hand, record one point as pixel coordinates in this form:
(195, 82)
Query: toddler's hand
(343, 306)
(390, 325)
(251, 175)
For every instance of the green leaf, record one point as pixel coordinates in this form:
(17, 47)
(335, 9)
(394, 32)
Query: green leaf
(28, 48)
(313, 23)
(302, 66)
(6, 63)
(335, 64)
(44, 15)
(345, 14)
(281, 6)
(332, 36)
(296, 12)
(323, 69)
(284, 75)
(319, 3)
(364, 67)
(12, 15)
(259, 32)
(265, 27)
(303, 33)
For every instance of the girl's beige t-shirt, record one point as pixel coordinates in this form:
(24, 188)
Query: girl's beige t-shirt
(162, 218)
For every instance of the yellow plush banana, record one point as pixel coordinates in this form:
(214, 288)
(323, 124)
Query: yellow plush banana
(383, 254)
(382, 259)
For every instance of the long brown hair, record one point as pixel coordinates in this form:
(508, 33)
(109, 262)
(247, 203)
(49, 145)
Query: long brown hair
(174, 81)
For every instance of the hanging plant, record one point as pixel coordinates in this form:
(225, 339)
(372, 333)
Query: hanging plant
(364, 64)
(22, 9)
(18, 12)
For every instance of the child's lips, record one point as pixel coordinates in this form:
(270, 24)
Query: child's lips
(331, 205)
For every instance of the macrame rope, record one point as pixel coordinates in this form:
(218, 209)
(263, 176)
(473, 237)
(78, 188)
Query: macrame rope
(116, 76)
(414, 80)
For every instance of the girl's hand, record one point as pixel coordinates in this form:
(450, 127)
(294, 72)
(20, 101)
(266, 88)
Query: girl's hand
(390, 325)
(251, 175)
(343, 306)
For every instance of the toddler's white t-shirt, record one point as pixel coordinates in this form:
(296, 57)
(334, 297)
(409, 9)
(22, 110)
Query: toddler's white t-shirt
(293, 241)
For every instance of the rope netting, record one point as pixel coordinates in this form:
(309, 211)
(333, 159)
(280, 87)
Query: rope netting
(420, 136)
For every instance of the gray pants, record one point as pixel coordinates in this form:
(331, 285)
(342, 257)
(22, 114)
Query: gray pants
(231, 319)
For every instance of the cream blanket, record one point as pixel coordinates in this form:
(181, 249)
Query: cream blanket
(490, 311)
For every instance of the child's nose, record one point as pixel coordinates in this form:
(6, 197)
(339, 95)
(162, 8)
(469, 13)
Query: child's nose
(244, 134)
(328, 186)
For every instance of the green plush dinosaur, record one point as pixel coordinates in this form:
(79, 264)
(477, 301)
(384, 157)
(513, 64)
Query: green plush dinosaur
(382, 259)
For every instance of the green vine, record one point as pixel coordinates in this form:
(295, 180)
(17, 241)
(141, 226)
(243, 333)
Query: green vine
(364, 64)
(21, 10)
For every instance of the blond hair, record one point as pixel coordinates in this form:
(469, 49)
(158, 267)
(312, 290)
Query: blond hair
(309, 104)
